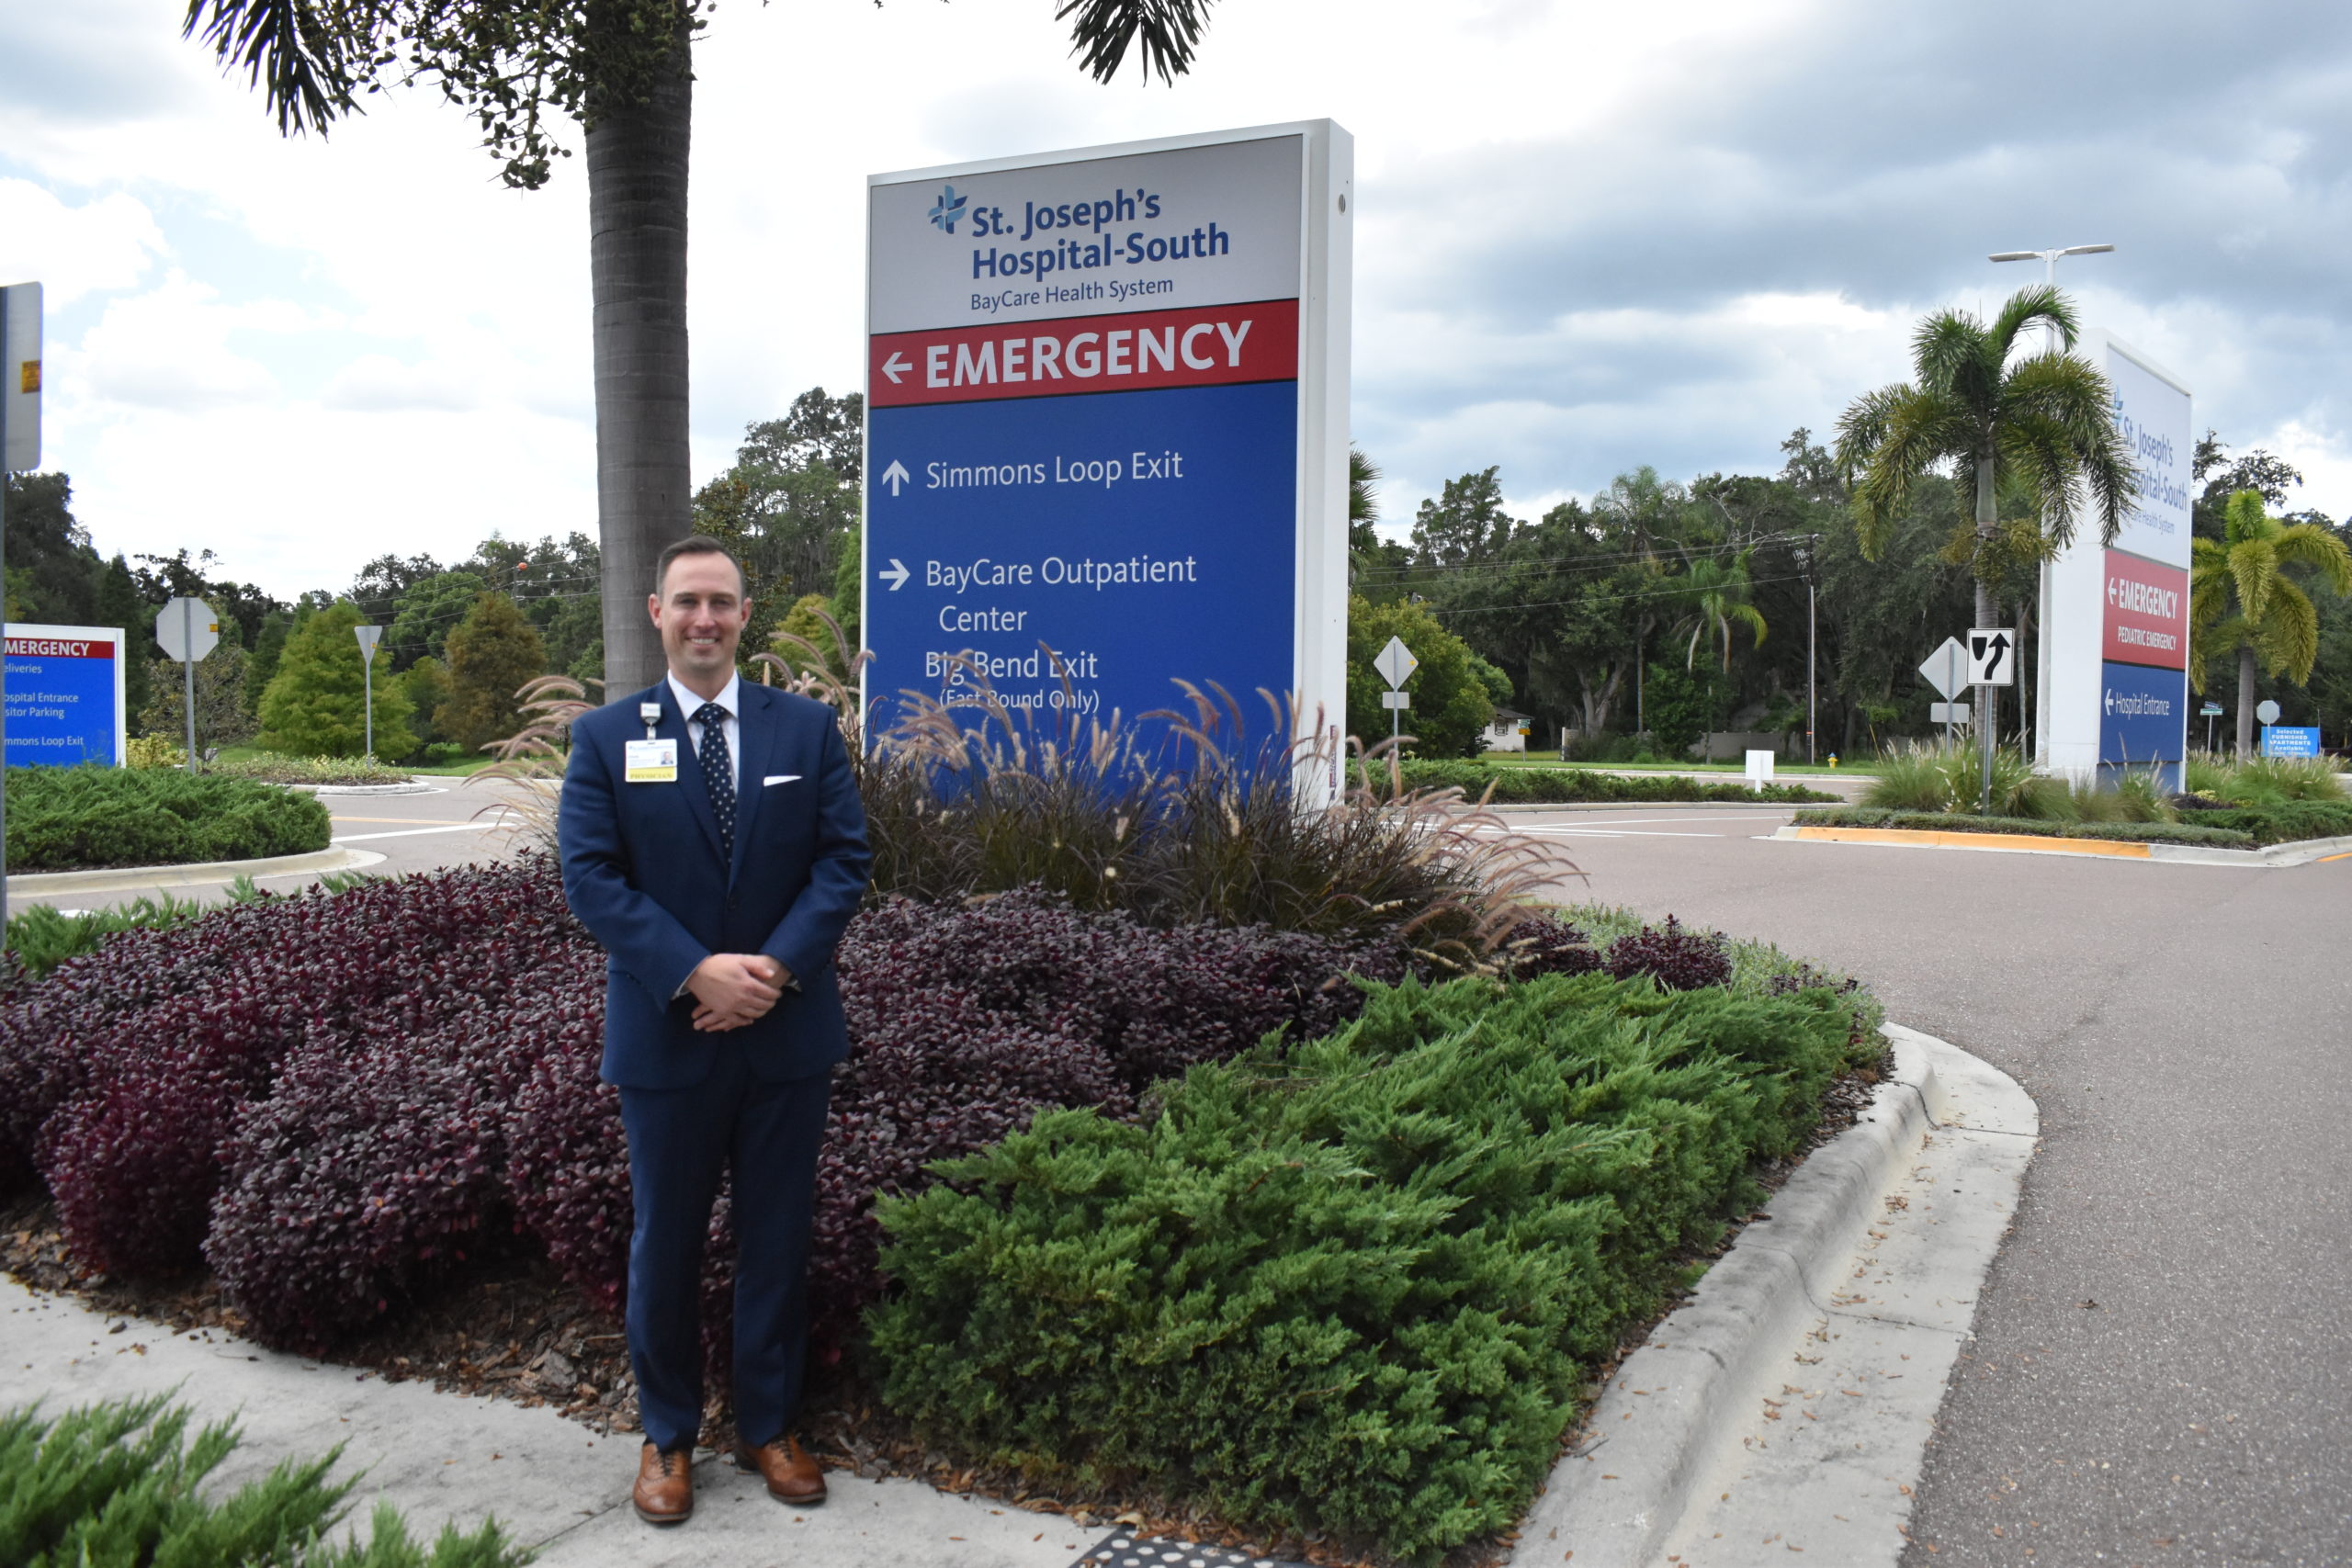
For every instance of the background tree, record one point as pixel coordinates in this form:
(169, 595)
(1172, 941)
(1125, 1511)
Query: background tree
(788, 508)
(53, 570)
(118, 605)
(622, 69)
(1718, 595)
(492, 653)
(1450, 709)
(222, 716)
(427, 614)
(1990, 417)
(315, 706)
(2244, 603)
(269, 647)
(425, 684)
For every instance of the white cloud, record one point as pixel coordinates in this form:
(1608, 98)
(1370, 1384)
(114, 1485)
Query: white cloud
(70, 250)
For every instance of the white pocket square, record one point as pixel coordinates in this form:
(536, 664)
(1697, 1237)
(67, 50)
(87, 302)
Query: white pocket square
(779, 778)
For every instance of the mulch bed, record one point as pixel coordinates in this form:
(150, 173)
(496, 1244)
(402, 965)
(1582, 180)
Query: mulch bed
(511, 1329)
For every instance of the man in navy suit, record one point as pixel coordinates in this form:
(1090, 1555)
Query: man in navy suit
(713, 842)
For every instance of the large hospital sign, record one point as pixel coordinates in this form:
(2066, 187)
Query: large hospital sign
(1107, 427)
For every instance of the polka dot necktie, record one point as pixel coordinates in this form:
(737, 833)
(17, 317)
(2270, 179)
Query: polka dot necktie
(717, 773)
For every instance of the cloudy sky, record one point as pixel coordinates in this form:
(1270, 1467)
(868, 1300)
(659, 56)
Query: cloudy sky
(1591, 237)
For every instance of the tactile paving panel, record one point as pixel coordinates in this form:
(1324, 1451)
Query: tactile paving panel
(1124, 1550)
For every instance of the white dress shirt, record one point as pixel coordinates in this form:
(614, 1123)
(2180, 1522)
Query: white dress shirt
(729, 699)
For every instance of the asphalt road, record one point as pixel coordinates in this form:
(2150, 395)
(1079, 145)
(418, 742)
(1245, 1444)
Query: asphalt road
(2163, 1368)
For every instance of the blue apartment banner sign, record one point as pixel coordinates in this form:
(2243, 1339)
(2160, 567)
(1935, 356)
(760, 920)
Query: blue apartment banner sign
(2290, 740)
(64, 695)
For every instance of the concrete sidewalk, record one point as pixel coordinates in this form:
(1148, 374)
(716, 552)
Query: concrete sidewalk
(554, 1485)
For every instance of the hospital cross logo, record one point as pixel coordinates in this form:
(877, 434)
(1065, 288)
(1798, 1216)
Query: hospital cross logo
(947, 210)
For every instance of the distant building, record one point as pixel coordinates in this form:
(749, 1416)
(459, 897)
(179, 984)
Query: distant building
(1509, 730)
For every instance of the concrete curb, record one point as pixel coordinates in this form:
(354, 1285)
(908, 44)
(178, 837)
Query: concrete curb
(412, 787)
(1632, 1483)
(2300, 852)
(1524, 807)
(128, 878)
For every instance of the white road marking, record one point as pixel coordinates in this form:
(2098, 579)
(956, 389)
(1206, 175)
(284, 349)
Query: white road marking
(413, 832)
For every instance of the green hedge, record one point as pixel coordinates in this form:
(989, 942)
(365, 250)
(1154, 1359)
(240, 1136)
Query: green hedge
(120, 1483)
(78, 819)
(271, 768)
(1351, 1286)
(2285, 821)
(1542, 786)
(2218, 836)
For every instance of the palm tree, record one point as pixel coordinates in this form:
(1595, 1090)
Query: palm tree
(1988, 414)
(1718, 596)
(623, 69)
(2241, 602)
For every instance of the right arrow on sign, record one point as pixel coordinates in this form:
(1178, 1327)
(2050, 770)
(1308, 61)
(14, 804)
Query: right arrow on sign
(895, 576)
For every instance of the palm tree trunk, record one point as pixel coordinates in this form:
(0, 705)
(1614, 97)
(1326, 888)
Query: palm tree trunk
(636, 262)
(2246, 703)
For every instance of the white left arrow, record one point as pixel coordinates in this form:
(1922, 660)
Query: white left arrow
(896, 475)
(896, 368)
(897, 576)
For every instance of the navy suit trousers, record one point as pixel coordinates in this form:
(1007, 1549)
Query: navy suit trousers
(767, 1134)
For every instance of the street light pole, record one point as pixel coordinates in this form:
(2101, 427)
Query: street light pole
(2038, 734)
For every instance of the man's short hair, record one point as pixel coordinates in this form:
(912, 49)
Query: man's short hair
(697, 545)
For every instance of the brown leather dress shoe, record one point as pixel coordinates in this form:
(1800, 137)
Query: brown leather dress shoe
(791, 1475)
(664, 1493)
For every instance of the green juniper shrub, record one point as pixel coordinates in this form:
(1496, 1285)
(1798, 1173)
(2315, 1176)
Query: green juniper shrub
(120, 1483)
(74, 818)
(1351, 1285)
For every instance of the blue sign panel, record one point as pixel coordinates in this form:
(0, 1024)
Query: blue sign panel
(64, 696)
(2143, 715)
(2290, 740)
(1084, 552)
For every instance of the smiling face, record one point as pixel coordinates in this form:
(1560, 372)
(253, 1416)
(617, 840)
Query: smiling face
(701, 613)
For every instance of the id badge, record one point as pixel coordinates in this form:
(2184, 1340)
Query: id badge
(650, 761)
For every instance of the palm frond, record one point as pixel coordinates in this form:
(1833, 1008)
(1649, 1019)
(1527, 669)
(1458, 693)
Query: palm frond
(2289, 638)
(2039, 302)
(1951, 355)
(300, 58)
(2309, 544)
(1163, 32)
(2254, 572)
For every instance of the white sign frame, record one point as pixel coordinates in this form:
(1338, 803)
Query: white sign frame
(1325, 300)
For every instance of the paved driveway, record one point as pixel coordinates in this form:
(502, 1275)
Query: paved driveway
(2163, 1371)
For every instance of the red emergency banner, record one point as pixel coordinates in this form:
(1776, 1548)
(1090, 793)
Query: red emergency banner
(2147, 613)
(55, 648)
(1207, 346)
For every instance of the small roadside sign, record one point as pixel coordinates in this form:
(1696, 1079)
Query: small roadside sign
(1952, 712)
(368, 637)
(1993, 657)
(1947, 668)
(186, 629)
(1395, 699)
(21, 377)
(2210, 710)
(2290, 740)
(2267, 711)
(1396, 662)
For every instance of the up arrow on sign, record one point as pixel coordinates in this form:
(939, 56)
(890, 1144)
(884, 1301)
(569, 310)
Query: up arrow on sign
(1992, 656)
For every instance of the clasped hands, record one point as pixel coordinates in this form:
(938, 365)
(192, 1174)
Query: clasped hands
(731, 989)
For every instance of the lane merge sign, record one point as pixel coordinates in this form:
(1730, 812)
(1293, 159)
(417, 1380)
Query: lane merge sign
(1106, 432)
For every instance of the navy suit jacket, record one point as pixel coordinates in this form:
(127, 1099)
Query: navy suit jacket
(642, 871)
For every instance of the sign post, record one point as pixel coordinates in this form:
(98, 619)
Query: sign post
(1991, 663)
(1106, 430)
(20, 453)
(186, 629)
(1395, 663)
(368, 637)
(2211, 712)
